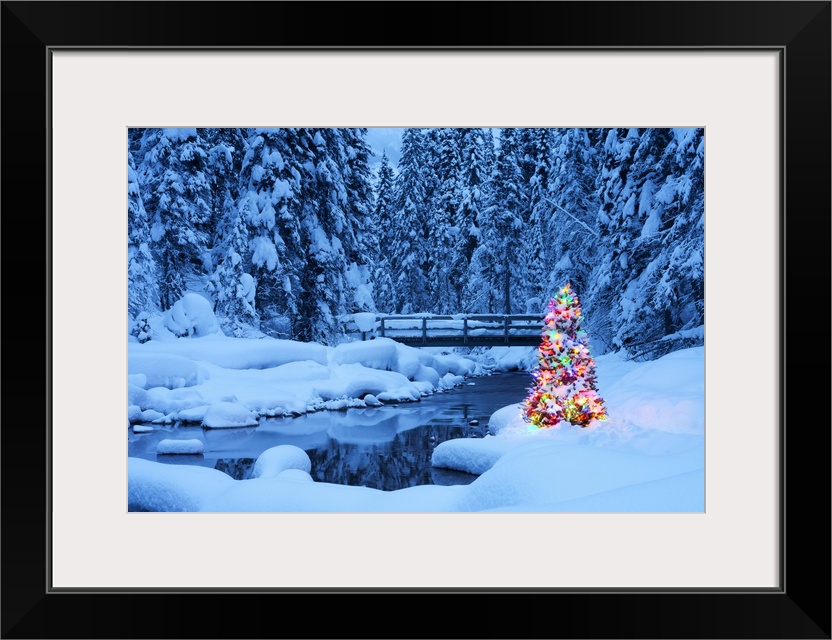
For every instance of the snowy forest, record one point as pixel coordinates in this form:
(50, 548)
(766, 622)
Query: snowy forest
(288, 231)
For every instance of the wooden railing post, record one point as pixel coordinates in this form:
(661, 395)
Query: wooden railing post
(382, 327)
(465, 331)
(505, 324)
(424, 330)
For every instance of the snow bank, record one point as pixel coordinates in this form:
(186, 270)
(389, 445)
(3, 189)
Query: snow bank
(542, 473)
(647, 457)
(163, 370)
(375, 354)
(511, 358)
(655, 409)
(667, 394)
(539, 474)
(235, 353)
(269, 377)
(155, 486)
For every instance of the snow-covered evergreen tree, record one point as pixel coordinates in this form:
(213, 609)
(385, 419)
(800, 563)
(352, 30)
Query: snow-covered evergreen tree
(442, 231)
(231, 284)
(647, 287)
(473, 183)
(565, 386)
(381, 222)
(281, 227)
(142, 276)
(406, 237)
(680, 293)
(177, 196)
(617, 192)
(270, 202)
(538, 144)
(489, 156)
(575, 239)
(226, 149)
(134, 140)
(327, 236)
(361, 253)
(498, 263)
(665, 291)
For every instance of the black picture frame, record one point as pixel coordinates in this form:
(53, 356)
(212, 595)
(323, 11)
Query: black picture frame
(799, 608)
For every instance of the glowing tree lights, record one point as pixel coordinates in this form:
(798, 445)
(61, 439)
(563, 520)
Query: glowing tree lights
(564, 388)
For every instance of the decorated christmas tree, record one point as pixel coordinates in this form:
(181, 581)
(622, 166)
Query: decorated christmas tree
(564, 381)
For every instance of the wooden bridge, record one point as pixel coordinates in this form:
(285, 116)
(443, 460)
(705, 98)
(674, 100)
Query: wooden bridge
(454, 331)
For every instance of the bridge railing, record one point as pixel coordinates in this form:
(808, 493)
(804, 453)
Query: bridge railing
(456, 330)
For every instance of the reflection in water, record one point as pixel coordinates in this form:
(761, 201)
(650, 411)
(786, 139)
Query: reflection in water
(237, 468)
(168, 458)
(404, 462)
(384, 448)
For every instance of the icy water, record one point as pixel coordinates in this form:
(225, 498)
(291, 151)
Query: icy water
(384, 448)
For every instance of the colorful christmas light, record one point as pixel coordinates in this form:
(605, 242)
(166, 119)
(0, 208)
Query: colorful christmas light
(564, 382)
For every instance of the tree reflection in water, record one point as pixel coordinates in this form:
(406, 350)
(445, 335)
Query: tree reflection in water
(385, 448)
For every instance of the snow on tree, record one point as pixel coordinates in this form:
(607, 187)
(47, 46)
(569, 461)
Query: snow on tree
(647, 289)
(473, 185)
(327, 236)
(572, 226)
(537, 242)
(441, 230)
(495, 272)
(231, 284)
(226, 149)
(361, 252)
(270, 201)
(134, 141)
(618, 227)
(142, 274)
(488, 152)
(664, 298)
(172, 168)
(564, 387)
(382, 217)
(281, 227)
(406, 237)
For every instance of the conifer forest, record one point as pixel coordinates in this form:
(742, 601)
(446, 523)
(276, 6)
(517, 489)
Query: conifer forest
(288, 231)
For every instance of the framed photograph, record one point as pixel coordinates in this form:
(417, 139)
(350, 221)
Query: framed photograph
(84, 82)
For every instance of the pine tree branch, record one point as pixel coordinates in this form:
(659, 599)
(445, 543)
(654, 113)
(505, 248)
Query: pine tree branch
(580, 222)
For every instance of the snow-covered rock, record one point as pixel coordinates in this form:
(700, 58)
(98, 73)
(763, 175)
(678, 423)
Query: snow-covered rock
(191, 316)
(371, 401)
(279, 459)
(134, 413)
(222, 415)
(194, 414)
(180, 447)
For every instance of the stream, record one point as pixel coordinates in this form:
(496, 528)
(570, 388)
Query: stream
(385, 448)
